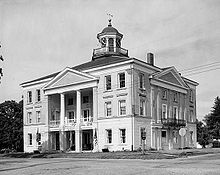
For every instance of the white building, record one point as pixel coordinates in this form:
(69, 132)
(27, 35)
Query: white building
(109, 102)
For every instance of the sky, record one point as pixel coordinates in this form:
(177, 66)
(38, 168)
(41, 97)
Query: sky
(45, 36)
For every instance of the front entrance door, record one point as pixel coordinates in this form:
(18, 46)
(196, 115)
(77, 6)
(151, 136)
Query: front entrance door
(87, 140)
(57, 135)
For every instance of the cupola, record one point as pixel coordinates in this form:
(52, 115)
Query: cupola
(109, 43)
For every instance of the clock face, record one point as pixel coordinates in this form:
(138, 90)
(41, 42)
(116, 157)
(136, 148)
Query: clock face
(103, 42)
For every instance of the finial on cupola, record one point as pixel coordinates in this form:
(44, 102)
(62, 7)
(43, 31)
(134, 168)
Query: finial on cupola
(110, 16)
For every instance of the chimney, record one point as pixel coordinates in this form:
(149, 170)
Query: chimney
(150, 58)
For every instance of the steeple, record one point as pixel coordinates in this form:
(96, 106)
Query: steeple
(110, 42)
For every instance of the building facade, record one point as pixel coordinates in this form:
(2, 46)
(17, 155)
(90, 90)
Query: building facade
(110, 102)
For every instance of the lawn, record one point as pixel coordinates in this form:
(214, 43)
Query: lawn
(169, 154)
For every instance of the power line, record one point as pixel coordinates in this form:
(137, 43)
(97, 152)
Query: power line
(197, 67)
(202, 72)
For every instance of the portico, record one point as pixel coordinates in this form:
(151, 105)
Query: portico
(72, 110)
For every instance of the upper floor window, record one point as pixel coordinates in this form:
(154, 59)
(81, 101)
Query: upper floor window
(85, 99)
(122, 107)
(38, 95)
(70, 101)
(38, 116)
(121, 80)
(108, 84)
(29, 139)
(191, 95)
(71, 117)
(191, 116)
(164, 111)
(175, 97)
(141, 81)
(109, 135)
(29, 97)
(86, 115)
(164, 94)
(142, 107)
(175, 112)
(108, 107)
(29, 117)
(122, 135)
(111, 44)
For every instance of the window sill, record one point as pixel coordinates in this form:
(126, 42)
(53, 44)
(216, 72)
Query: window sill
(107, 91)
(124, 88)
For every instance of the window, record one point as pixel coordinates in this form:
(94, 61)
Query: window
(163, 133)
(109, 135)
(38, 116)
(29, 117)
(30, 139)
(29, 97)
(122, 107)
(111, 44)
(175, 97)
(70, 101)
(191, 116)
(71, 117)
(122, 135)
(142, 107)
(38, 95)
(175, 112)
(191, 95)
(191, 137)
(86, 115)
(141, 81)
(38, 138)
(122, 80)
(85, 99)
(108, 107)
(164, 94)
(108, 84)
(143, 133)
(164, 111)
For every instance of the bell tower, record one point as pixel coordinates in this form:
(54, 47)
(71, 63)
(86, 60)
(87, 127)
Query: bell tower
(109, 43)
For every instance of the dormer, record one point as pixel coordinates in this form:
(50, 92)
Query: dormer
(110, 43)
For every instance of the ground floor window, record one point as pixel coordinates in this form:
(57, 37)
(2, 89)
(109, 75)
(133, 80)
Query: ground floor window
(109, 135)
(122, 135)
(191, 137)
(163, 134)
(29, 139)
(143, 134)
(38, 138)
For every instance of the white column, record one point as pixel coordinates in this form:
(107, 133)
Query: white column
(62, 109)
(114, 42)
(95, 104)
(78, 117)
(78, 106)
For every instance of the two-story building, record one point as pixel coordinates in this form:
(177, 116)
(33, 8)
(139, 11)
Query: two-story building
(110, 102)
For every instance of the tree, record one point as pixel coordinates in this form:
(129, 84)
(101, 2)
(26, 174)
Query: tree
(11, 125)
(202, 134)
(213, 120)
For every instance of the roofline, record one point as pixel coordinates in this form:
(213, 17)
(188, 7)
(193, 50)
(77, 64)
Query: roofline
(190, 81)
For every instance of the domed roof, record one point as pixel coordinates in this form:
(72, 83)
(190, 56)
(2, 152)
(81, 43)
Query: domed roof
(110, 29)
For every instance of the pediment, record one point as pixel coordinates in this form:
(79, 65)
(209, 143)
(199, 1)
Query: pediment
(171, 76)
(69, 77)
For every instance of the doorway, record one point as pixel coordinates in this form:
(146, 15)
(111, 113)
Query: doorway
(87, 140)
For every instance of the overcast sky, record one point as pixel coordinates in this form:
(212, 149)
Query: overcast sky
(44, 36)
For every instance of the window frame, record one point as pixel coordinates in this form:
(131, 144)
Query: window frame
(108, 87)
(29, 117)
(175, 107)
(29, 97)
(175, 97)
(122, 137)
(141, 81)
(164, 105)
(38, 116)
(121, 82)
(107, 109)
(70, 101)
(30, 139)
(164, 94)
(38, 95)
(88, 118)
(191, 95)
(142, 107)
(122, 109)
(85, 99)
(108, 136)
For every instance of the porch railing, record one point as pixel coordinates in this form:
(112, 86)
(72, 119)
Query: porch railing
(54, 123)
(70, 121)
(173, 122)
(87, 120)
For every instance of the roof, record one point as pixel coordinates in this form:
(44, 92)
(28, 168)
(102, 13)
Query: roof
(103, 61)
(110, 29)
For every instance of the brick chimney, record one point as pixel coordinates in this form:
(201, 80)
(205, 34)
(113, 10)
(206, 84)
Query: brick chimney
(150, 58)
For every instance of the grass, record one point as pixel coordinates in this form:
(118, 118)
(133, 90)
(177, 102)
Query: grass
(170, 154)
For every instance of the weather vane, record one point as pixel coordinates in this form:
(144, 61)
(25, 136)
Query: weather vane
(110, 16)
